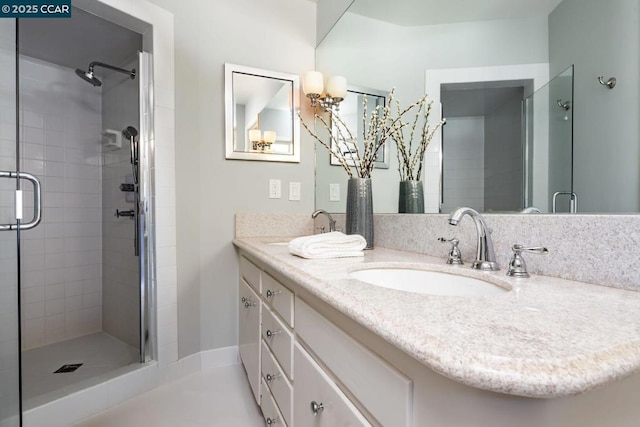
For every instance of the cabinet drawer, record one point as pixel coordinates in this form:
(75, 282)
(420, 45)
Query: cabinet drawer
(270, 412)
(250, 273)
(249, 335)
(278, 383)
(279, 340)
(386, 393)
(314, 390)
(279, 297)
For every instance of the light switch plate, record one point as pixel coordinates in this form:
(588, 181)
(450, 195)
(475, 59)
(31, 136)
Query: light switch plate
(334, 192)
(294, 191)
(275, 189)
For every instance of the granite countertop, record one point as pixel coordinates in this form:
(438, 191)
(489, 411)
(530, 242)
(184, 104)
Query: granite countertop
(546, 338)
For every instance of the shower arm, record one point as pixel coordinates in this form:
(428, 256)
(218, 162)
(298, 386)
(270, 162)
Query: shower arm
(132, 73)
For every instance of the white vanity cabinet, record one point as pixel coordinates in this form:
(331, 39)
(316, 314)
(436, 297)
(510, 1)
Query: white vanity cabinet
(318, 400)
(318, 365)
(313, 374)
(249, 325)
(266, 341)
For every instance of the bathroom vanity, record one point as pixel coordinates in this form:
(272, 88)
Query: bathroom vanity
(321, 348)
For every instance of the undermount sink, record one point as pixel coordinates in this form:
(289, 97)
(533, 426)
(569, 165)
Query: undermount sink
(427, 282)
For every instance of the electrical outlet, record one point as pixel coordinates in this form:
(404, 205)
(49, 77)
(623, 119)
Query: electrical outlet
(334, 192)
(275, 189)
(294, 191)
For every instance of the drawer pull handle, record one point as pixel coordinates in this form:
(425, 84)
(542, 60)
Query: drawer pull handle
(271, 294)
(243, 299)
(270, 377)
(271, 421)
(271, 334)
(316, 408)
(248, 302)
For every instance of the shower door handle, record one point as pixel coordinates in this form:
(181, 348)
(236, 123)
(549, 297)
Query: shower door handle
(574, 201)
(37, 202)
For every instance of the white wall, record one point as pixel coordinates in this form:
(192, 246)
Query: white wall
(381, 56)
(276, 35)
(329, 11)
(602, 38)
(61, 259)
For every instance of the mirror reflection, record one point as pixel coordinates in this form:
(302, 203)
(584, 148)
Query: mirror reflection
(378, 45)
(351, 111)
(331, 179)
(260, 112)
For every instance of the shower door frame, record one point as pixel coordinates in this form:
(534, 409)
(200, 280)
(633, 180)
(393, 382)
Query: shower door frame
(148, 329)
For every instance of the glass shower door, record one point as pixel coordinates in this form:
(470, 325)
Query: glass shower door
(10, 406)
(548, 116)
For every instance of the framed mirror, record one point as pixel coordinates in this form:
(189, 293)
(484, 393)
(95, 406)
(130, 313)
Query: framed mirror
(261, 120)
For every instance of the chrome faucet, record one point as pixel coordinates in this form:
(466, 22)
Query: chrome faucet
(485, 255)
(332, 222)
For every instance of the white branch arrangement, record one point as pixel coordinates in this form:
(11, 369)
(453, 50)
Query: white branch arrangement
(410, 156)
(377, 128)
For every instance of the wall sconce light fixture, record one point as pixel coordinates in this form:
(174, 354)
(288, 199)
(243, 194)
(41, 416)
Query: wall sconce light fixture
(314, 89)
(258, 142)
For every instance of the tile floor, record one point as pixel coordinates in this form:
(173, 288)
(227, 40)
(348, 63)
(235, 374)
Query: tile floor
(216, 397)
(100, 354)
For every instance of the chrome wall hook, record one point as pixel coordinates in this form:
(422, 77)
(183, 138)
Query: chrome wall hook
(566, 104)
(611, 83)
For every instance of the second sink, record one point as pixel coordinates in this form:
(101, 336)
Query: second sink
(427, 282)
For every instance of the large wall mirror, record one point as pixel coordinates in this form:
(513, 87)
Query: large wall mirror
(568, 141)
(261, 118)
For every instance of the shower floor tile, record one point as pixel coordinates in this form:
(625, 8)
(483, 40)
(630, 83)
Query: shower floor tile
(98, 353)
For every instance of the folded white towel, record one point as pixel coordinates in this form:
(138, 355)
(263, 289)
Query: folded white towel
(328, 245)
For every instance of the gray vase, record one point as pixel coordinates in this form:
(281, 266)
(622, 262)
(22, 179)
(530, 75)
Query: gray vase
(411, 199)
(360, 209)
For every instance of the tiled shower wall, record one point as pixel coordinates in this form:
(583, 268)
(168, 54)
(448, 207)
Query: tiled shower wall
(120, 290)
(61, 259)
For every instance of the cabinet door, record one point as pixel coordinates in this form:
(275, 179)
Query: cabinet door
(249, 335)
(318, 402)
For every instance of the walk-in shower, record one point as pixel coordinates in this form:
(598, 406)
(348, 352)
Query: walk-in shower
(74, 299)
(91, 78)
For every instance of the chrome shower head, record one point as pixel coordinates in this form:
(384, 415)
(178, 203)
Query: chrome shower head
(88, 76)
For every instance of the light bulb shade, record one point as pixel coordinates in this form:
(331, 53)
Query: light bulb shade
(255, 135)
(269, 136)
(337, 87)
(313, 83)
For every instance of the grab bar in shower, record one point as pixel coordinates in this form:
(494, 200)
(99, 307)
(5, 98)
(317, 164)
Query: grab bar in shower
(37, 202)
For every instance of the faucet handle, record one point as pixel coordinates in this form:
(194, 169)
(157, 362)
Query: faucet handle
(454, 257)
(517, 266)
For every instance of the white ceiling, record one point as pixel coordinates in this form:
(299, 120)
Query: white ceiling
(77, 41)
(432, 12)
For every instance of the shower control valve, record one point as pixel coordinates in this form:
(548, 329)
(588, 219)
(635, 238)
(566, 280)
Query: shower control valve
(130, 213)
(127, 187)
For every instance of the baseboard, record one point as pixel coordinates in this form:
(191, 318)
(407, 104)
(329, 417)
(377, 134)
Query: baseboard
(219, 357)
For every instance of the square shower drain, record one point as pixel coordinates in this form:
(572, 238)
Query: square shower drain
(68, 368)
